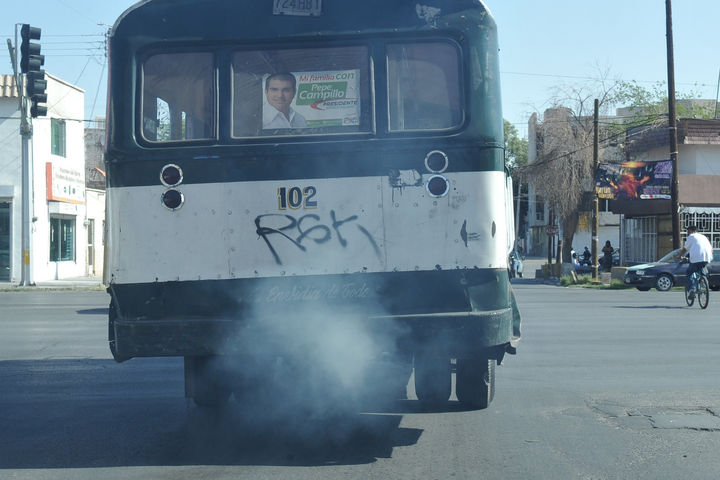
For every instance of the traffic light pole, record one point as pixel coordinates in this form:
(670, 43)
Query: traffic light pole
(26, 135)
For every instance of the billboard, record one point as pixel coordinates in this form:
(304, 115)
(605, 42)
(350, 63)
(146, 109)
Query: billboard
(634, 180)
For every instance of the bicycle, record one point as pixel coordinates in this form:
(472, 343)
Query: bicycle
(698, 286)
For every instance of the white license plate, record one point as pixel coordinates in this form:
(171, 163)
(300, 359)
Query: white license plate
(297, 7)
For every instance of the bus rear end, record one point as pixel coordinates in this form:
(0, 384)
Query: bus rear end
(330, 195)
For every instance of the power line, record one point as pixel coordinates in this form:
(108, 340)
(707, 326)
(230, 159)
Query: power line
(80, 12)
(580, 77)
(585, 147)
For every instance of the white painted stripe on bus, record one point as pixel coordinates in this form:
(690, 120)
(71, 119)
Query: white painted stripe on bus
(359, 225)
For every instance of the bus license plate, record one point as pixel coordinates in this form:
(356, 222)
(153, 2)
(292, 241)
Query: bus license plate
(297, 7)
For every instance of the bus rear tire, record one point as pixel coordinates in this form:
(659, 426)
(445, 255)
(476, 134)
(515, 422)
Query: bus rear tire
(433, 382)
(209, 388)
(475, 382)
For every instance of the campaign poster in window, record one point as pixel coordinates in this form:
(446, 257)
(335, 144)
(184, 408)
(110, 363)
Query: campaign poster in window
(329, 98)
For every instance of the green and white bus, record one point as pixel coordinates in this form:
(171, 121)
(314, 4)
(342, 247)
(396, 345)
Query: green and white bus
(271, 163)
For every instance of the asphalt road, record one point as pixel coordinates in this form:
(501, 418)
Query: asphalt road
(606, 385)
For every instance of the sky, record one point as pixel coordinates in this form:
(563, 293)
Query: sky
(544, 46)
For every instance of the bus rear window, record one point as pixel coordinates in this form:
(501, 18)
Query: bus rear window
(423, 86)
(178, 97)
(301, 91)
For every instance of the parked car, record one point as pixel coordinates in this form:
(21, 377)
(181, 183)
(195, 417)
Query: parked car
(668, 272)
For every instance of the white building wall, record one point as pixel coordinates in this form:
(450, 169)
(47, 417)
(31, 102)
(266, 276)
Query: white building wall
(692, 159)
(11, 179)
(66, 102)
(701, 159)
(96, 215)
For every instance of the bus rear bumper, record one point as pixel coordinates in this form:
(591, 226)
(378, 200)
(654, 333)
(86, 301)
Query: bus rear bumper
(454, 334)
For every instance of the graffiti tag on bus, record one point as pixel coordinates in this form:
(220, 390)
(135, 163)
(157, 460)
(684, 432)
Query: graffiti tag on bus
(309, 228)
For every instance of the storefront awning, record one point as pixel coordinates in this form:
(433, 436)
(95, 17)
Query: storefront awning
(706, 210)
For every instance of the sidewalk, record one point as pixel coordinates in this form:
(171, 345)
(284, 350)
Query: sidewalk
(75, 283)
(531, 265)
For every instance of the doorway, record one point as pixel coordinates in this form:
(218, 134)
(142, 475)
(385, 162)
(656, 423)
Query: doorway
(4, 241)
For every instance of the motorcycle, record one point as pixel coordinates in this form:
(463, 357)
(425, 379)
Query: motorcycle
(515, 264)
(586, 259)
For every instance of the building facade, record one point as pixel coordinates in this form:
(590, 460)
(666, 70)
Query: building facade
(544, 228)
(642, 229)
(95, 195)
(59, 213)
(647, 227)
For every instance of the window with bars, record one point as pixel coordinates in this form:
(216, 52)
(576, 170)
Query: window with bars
(708, 224)
(640, 240)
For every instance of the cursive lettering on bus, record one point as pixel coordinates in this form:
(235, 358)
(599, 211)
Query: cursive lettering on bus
(300, 231)
(308, 293)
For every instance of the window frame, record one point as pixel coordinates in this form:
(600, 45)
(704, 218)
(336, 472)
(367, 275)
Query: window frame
(461, 92)
(139, 93)
(72, 222)
(58, 148)
(223, 91)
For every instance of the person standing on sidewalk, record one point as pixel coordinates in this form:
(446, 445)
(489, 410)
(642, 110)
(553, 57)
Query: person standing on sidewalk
(608, 251)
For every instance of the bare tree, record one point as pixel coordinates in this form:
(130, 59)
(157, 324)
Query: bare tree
(563, 171)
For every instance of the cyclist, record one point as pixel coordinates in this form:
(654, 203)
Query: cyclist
(701, 252)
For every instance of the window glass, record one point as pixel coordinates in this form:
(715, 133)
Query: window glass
(539, 208)
(178, 97)
(423, 86)
(62, 239)
(301, 91)
(57, 133)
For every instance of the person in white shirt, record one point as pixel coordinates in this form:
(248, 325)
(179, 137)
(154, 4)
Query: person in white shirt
(280, 89)
(700, 249)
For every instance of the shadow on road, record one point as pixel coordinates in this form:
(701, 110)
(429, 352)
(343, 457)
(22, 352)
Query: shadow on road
(652, 307)
(96, 413)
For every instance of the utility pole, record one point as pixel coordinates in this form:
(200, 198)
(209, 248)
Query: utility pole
(31, 85)
(596, 201)
(672, 127)
(26, 278)
(517, 215)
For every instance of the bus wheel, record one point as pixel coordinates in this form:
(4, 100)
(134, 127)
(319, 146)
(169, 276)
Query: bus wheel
(475, 382)
(208, 388)
(433, 382)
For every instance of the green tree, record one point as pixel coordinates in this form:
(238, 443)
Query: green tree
(516, 158)
(516, 148)
(649, 105)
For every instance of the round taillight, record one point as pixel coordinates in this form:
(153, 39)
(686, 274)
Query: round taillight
(438, 186)
(171, 175)
(173, 199)
(436, 161)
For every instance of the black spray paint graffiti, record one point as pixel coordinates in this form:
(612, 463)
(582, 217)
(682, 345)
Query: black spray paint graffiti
(299, 230)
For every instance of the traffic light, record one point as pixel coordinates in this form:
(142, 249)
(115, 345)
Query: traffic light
(30, 63)
(30, 52)
(36, 86)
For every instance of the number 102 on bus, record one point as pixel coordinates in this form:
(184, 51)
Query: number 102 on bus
(297, 7)
(296, 198)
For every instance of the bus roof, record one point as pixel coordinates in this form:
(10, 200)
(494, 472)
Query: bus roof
(214, 20)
